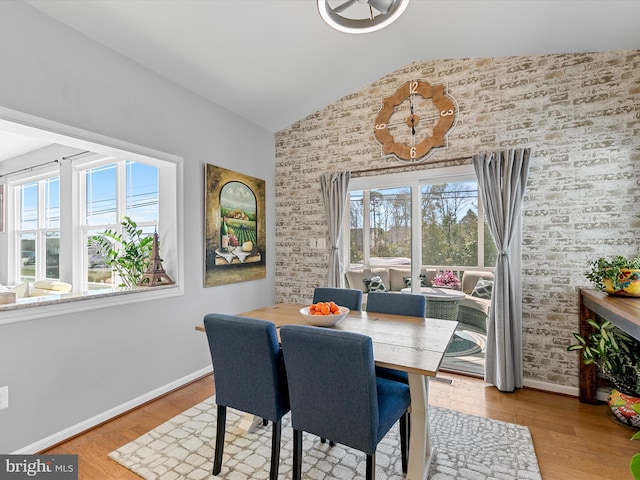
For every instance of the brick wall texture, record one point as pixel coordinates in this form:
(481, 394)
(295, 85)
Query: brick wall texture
(580, 115)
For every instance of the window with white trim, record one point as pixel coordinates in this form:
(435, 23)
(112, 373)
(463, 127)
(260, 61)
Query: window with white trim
(54, 209)
(431, 218)
(37, 229)
(112, 191)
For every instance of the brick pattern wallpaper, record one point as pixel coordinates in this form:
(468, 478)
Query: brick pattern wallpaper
(579, 113)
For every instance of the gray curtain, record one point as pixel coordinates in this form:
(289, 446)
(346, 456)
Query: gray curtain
(502, 177)
(334, 193)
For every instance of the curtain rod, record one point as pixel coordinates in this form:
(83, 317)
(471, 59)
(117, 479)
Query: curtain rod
(397, 167)
(43, 164)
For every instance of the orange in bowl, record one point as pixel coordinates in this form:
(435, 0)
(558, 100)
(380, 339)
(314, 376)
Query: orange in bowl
(324, 314)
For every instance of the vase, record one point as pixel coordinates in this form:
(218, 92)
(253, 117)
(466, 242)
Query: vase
(629, 281)
(625, 408)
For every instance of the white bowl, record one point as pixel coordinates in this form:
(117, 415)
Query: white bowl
(324, 320)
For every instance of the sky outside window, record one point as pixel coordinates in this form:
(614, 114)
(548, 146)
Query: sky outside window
(101, 195)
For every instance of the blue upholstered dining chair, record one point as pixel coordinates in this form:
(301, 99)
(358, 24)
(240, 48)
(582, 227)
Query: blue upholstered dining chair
(410, 304)
(249, 375)
(345, 297)
(335, 393)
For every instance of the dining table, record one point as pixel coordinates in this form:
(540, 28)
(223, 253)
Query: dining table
(411, 344)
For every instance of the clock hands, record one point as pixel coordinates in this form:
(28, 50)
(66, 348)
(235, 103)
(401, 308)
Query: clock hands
(411, 121)
(444, 113)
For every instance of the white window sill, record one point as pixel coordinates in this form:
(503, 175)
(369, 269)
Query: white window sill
(31, 308)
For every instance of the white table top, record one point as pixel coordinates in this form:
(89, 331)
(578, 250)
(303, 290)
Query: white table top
(438, 293)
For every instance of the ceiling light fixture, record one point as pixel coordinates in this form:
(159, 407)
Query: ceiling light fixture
(360, 16)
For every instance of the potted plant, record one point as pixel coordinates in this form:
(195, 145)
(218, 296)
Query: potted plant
(446, 279)
(619, 276)
(128, 254)
(635, 460)
(617, 356)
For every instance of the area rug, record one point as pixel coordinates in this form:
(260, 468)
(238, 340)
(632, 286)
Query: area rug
(466, 447)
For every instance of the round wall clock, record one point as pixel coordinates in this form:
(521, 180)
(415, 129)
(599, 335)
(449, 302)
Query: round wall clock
(415, 120)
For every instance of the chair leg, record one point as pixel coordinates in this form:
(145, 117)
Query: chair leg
(265, 422)
(404, 439)
(323, 440)
(275, 449)
(371, 467)
(297, 454)
(220, 427)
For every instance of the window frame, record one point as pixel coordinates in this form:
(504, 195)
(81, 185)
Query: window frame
(40, 231)
(121, 179)
(413, 180)
(170, 183)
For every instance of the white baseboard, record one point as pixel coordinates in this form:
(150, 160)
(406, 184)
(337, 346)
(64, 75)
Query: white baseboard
(109, 414)
(562, 389)
(550, 387)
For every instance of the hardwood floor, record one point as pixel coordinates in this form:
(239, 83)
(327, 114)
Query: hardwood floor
(572, 440)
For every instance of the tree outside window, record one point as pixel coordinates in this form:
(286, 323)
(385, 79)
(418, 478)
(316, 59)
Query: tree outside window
(380, 225)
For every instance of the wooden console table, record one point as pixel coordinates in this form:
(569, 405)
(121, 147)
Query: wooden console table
(624, 312)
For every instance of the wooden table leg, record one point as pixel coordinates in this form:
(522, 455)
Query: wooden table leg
(249, 422)
(587, 373)
(420, 441)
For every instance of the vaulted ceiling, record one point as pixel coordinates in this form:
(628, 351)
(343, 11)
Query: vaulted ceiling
(274, 62)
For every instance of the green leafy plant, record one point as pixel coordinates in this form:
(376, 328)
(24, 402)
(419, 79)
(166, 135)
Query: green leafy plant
(127, 253)
(601, 270)
(615, 354)
(635, 460)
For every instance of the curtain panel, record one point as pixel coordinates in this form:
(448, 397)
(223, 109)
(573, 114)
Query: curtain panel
(502, 177)
(334, 187)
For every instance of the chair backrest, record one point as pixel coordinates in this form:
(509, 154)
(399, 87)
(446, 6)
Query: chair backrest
(248, 366)
(411, 304)
(332, 384)
(345, 297)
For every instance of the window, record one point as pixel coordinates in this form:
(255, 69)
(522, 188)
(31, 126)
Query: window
(63, 188)
(111, 192)
(452, 230)
(437, 219)
(37, 229)
(388, 229)
(111, 189)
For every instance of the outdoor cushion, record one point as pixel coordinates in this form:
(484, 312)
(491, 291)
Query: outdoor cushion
(471, 277)
(483, 289)
(423, 281)
(21, 290)
(476, 303)
(396, 277)
(355, 278)
(375, 284)
(56, 286)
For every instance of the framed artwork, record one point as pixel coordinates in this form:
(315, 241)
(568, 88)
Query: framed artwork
(1, 208)
(235, 234)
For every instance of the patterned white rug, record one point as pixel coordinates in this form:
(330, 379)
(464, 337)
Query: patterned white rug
(466, 447)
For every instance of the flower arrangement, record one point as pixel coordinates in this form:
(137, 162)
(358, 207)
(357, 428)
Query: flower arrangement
(446, 279)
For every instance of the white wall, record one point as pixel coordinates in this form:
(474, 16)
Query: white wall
(64, 370)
